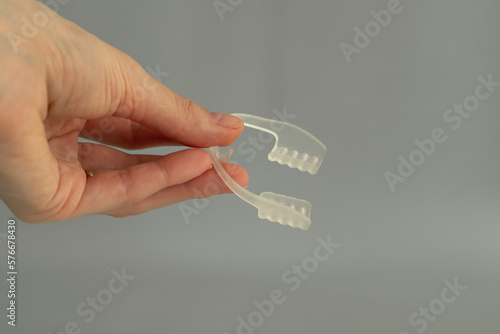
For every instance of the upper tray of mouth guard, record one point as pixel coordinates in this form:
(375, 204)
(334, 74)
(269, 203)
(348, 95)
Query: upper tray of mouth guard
(294, 147)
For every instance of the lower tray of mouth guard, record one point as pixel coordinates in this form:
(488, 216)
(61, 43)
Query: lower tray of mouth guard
(273, 207)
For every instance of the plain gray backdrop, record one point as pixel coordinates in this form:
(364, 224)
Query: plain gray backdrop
(397, 248)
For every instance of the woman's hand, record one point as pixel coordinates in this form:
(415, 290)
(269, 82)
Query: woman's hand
(61, 83)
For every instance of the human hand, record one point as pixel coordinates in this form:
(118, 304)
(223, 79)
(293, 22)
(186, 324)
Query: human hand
(62, 83)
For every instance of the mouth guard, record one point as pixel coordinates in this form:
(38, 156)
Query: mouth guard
(295, 148)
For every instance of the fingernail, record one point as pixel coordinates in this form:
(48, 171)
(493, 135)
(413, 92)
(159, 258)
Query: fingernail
(226, 121)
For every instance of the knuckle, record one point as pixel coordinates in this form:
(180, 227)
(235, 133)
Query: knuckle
(162, 173)
(188, 114)
(189, 111)
(184, 105)
(126, 186)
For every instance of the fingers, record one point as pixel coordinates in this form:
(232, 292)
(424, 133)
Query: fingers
(96, 157)
(206, 185)
(112, 189)
(124, 133)
(89, 79)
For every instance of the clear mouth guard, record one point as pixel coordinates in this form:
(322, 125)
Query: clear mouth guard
(295, 148)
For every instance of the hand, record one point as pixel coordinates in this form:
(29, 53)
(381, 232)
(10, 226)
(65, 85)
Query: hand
(61, 83)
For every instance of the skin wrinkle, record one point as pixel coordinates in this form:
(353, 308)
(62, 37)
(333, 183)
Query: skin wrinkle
(126, 98)
(186, 107)
(54, 207)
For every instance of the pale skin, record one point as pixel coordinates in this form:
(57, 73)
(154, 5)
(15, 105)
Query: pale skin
(63, 83)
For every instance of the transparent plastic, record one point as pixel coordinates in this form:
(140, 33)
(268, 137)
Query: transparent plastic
(295, 148)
